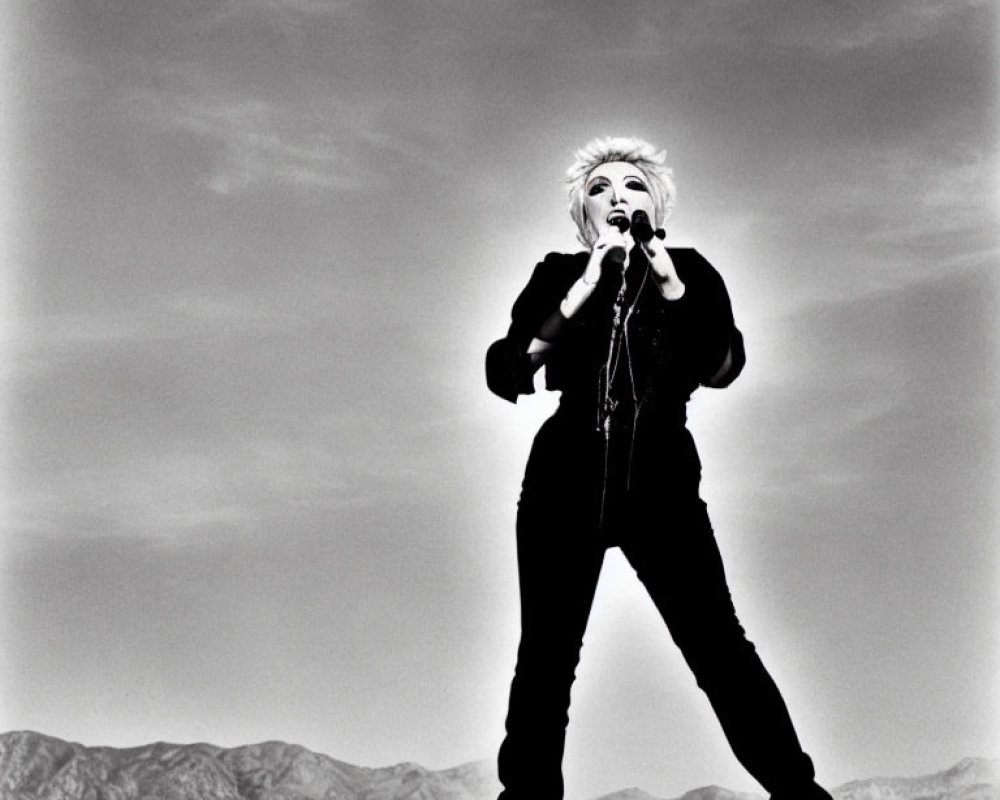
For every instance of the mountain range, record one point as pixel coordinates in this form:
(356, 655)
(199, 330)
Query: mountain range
(38, 767)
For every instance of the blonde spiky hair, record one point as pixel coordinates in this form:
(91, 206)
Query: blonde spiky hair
(630, 149)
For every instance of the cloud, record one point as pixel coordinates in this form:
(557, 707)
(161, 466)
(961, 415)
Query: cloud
(211, 411)
(234, 482)
(851, 219)
(294, 94)
(864, 390)
(45, 342)
(317, 134)
(888, 24)
(290, 9)
(912, 193)
(260, 141)
(834, 28)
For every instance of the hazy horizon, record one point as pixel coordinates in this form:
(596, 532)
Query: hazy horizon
(33, 762)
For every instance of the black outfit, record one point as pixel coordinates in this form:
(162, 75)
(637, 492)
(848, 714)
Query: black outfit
(616, 466)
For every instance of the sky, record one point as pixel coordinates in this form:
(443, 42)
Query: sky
(254, 486)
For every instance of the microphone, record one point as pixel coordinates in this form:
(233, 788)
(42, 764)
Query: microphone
(618, 254)
(642, 230)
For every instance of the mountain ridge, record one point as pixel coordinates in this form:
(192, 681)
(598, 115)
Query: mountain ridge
(35, 766)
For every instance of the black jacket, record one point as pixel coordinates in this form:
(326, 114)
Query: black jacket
(672, 347)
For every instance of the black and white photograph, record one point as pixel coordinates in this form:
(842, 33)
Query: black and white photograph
(485, 400)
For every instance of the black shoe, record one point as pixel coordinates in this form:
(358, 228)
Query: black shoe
(811, 791)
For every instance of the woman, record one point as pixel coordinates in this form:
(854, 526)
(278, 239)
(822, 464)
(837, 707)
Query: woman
(627, 329)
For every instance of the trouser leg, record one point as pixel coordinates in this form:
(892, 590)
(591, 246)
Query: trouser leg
(558, 569)
(682, 570)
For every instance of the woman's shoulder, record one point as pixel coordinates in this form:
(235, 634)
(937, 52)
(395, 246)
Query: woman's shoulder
(555, 260)
(560, 267)
(551, 278)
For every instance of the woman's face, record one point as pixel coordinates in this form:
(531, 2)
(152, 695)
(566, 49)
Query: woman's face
(616, 189)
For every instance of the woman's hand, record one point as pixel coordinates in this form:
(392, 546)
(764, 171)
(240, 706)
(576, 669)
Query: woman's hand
(611, 247)
(662, 267)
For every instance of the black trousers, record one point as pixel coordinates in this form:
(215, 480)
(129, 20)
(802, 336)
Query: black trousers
(663, 529)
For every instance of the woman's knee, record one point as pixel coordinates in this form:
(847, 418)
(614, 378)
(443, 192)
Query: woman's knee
(717, 655)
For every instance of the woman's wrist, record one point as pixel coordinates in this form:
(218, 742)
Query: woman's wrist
(663, 271)
(592, 273)
(670, 289)
(576, 296)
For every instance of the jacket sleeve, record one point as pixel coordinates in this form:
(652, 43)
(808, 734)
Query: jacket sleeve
(702, 321)
(509, 372)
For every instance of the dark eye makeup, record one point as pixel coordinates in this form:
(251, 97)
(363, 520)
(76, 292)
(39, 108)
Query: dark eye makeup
(601, 184)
